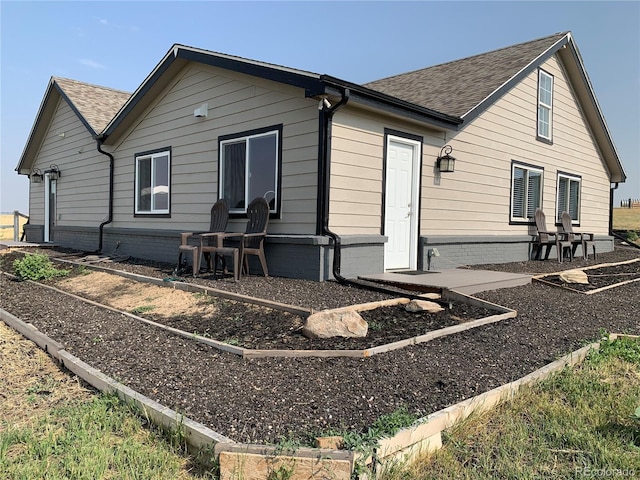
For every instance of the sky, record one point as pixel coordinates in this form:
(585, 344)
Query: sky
(117, 44)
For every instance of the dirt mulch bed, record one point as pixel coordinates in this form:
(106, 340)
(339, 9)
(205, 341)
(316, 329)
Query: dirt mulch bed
(264, 400)
(268, 329)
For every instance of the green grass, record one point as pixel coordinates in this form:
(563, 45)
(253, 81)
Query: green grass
(578, 423)
(97, 439)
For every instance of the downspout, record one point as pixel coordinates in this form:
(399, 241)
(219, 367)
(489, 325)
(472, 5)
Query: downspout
(99, 141)
(611, 190)
(326, 117)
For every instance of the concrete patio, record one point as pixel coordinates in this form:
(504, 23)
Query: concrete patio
(458, 279)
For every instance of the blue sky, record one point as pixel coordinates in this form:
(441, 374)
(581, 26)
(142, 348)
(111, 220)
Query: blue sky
(117, 44)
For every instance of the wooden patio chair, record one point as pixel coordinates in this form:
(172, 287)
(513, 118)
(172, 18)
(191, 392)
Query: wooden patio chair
(578, 238)
(548, 239)
(251, 242)
(217, 225)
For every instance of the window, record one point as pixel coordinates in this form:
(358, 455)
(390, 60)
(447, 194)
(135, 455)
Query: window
(568, 197)
(249, 168)
(152, 182)
(526, 191)
(545, 105)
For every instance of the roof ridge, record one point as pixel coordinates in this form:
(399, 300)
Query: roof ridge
(558, 34)
(56, 79)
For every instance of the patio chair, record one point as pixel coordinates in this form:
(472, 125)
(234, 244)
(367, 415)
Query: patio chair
(218, 224)
(578, 238)
(250, 243)
(548, 239)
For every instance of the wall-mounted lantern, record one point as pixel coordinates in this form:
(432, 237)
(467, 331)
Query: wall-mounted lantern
(445, 162)
(54, 172)
(36, 175)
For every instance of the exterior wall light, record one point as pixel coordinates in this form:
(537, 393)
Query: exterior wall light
(36, 175)
(445, 162)
(54, 172)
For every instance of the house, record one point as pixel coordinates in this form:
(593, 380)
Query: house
(357, 176)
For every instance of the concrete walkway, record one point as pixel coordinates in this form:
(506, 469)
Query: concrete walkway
(458, 279)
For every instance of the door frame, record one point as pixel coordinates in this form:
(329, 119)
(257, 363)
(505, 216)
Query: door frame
(49, 192)
(416, 143)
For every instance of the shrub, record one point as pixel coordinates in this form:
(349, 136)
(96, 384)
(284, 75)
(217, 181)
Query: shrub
(37, 266)
(632, 236)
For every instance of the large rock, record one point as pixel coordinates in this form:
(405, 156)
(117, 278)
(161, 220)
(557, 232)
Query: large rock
(574, 276)
(335, 324)
(423, 306)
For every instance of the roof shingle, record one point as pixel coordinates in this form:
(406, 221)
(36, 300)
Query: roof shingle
(455, 88)
(98, 105)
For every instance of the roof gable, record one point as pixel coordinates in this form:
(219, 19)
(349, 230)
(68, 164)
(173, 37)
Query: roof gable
(94, 106)
(456, 88)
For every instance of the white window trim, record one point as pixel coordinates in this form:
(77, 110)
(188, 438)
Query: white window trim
(246, 139)
(527, 168)
(570, 178)
(541, 104)
(152, 156)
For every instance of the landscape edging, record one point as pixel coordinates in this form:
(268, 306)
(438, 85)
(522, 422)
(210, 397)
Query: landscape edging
(197, 434)
(424, 437)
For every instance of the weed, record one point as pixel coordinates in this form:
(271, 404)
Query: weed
(233, 341)
(37, 266)
(83, 270)
(142, 309)
(204, 297)
(632, 236)
(375, 326)
(43, 388)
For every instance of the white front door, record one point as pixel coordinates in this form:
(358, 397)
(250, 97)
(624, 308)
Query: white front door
(401, 204)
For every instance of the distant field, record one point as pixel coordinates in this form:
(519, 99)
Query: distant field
(626, 219)
(7, 219)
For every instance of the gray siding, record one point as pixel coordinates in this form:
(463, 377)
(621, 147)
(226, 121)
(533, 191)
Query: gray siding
(237, 103)
(82, 190)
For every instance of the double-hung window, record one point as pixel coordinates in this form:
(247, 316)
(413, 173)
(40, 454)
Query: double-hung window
(545, 105)
(526, 191)
(568, 197)
(152, 182)
(250, 167)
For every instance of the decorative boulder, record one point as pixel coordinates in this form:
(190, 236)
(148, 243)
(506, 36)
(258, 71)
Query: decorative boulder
(423, 306)
(574, 276)
(335, 324)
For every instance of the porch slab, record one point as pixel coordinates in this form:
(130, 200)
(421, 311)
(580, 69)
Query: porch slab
(458, 279)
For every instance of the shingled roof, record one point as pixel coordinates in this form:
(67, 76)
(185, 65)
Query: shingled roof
(455, 88)
(97, 105)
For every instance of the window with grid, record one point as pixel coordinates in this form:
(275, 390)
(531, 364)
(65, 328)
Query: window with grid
(526, 191)
(568, 197)
(545, 105)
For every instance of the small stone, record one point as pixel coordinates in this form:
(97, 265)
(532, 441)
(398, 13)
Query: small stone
(423, 306)
(574, 276)
(335, 324)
